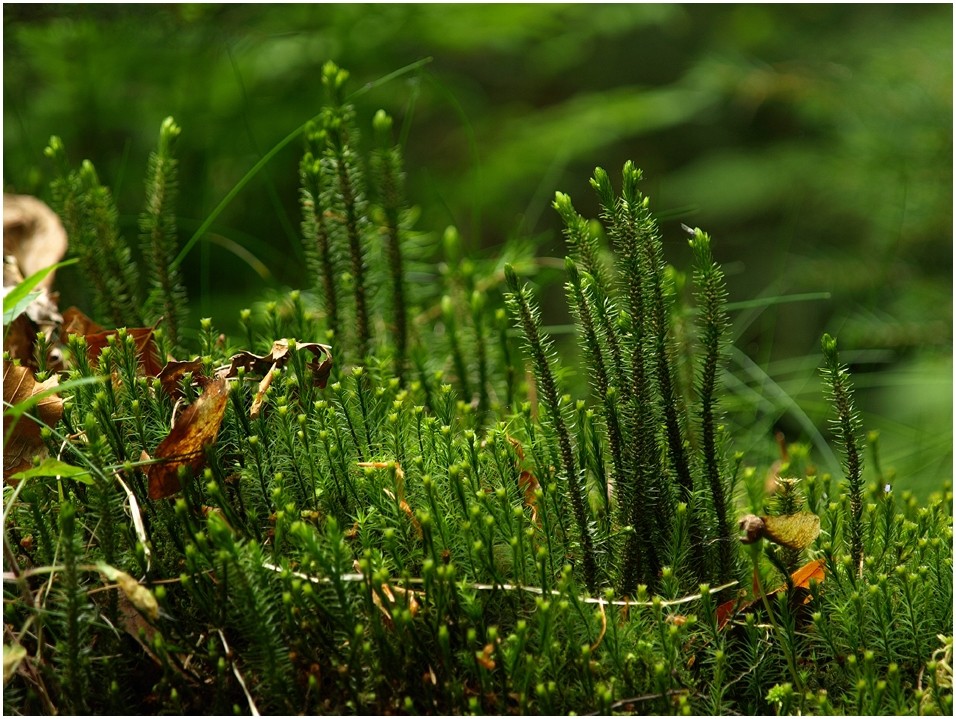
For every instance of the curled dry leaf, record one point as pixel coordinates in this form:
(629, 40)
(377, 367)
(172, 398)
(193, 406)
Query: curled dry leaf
(33, 235)
(13, 654)
(138, 595)
(185, 446)
(795, 531)
(320, 366)
(24, 442)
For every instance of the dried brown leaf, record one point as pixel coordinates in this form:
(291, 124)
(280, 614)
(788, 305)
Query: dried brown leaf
(75, 322)
(172, 374)
(24, 442)
(278, 357)
(186, 445)
(33, 234)
(260, 397)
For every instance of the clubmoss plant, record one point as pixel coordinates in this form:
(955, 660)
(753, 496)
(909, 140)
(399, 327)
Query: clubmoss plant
(848, 424)
(270, 524)
(167, 297)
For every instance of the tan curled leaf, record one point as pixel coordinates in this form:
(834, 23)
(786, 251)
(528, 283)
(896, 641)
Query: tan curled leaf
(33, 234)
(795, 531)
(260, 397)
(185, 446)
(23, 441)
(13, 654)
(138, 595)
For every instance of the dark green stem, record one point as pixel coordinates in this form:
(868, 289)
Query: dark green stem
(537, 344)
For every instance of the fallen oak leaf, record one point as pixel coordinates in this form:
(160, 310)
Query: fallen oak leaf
(186, 445)
(22, 439)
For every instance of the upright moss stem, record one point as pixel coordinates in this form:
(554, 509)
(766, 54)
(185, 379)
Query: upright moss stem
(538, 346)
(848, 426)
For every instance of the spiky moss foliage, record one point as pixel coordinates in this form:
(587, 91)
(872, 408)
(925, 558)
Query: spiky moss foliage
(90, 219)
(167, 297)
(413, 583)
(384, 545)
(849, 429)
(541, 352)
(712, 321)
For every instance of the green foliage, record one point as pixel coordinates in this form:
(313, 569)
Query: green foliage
(434, 530)
(90, 218)
(157, 223)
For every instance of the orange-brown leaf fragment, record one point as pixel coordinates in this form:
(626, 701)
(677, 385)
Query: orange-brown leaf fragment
(185, 446)
(814, 571)
(25, 442)
(810, 572)
(77, 323)
(484, 657)
(528, 484)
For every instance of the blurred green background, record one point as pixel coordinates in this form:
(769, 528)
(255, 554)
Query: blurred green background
(814, 143)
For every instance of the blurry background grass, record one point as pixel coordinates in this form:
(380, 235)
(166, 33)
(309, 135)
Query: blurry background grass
(814, 143)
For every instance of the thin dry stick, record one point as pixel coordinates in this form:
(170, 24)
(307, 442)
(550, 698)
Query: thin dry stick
(235, 670)
(359, 577)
